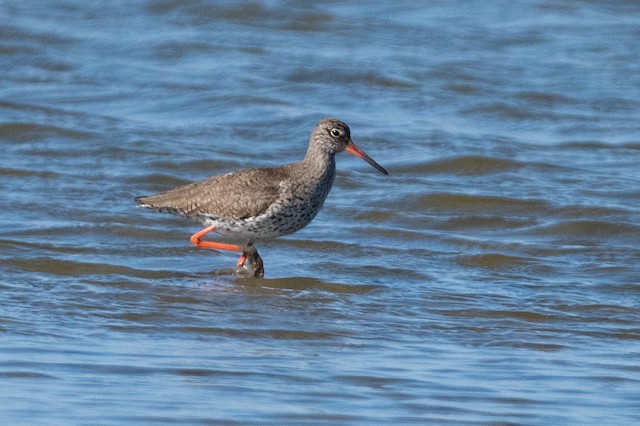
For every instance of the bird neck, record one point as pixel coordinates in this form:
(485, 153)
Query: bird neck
(319, 162)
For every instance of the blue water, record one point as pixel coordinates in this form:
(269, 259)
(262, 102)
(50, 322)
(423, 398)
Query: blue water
(492, 277)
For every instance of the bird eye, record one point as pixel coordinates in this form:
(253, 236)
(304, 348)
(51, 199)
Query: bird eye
(336, 132)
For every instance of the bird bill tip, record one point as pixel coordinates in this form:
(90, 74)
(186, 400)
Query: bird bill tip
(352, 148)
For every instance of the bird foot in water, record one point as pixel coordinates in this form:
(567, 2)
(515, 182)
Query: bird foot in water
(250, 253)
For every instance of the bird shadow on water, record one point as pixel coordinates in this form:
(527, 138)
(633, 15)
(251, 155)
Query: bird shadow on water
(245, 280)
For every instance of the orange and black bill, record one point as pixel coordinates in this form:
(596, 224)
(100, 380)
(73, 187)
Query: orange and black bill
(352, 148)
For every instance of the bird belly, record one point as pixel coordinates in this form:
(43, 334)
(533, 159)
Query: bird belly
(258, 227)
(280, 219)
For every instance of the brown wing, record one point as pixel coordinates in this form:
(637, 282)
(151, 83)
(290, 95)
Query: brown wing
(235, 195)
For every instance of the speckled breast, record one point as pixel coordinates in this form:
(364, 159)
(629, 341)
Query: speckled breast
(289, 214)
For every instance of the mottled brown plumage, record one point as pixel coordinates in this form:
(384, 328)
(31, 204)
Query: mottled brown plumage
(263, 202)
(235, 195)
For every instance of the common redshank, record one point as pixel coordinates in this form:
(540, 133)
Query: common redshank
(264, 202)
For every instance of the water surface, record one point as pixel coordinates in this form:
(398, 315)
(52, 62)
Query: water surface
(492, 277)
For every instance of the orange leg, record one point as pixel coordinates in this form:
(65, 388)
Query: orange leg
(195, 239)
(241, 261)
(248, 252)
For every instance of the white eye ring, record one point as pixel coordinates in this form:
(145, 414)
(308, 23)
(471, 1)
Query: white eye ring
(335, 132)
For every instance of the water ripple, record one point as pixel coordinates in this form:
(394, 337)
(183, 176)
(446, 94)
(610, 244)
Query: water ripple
(492, 277)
